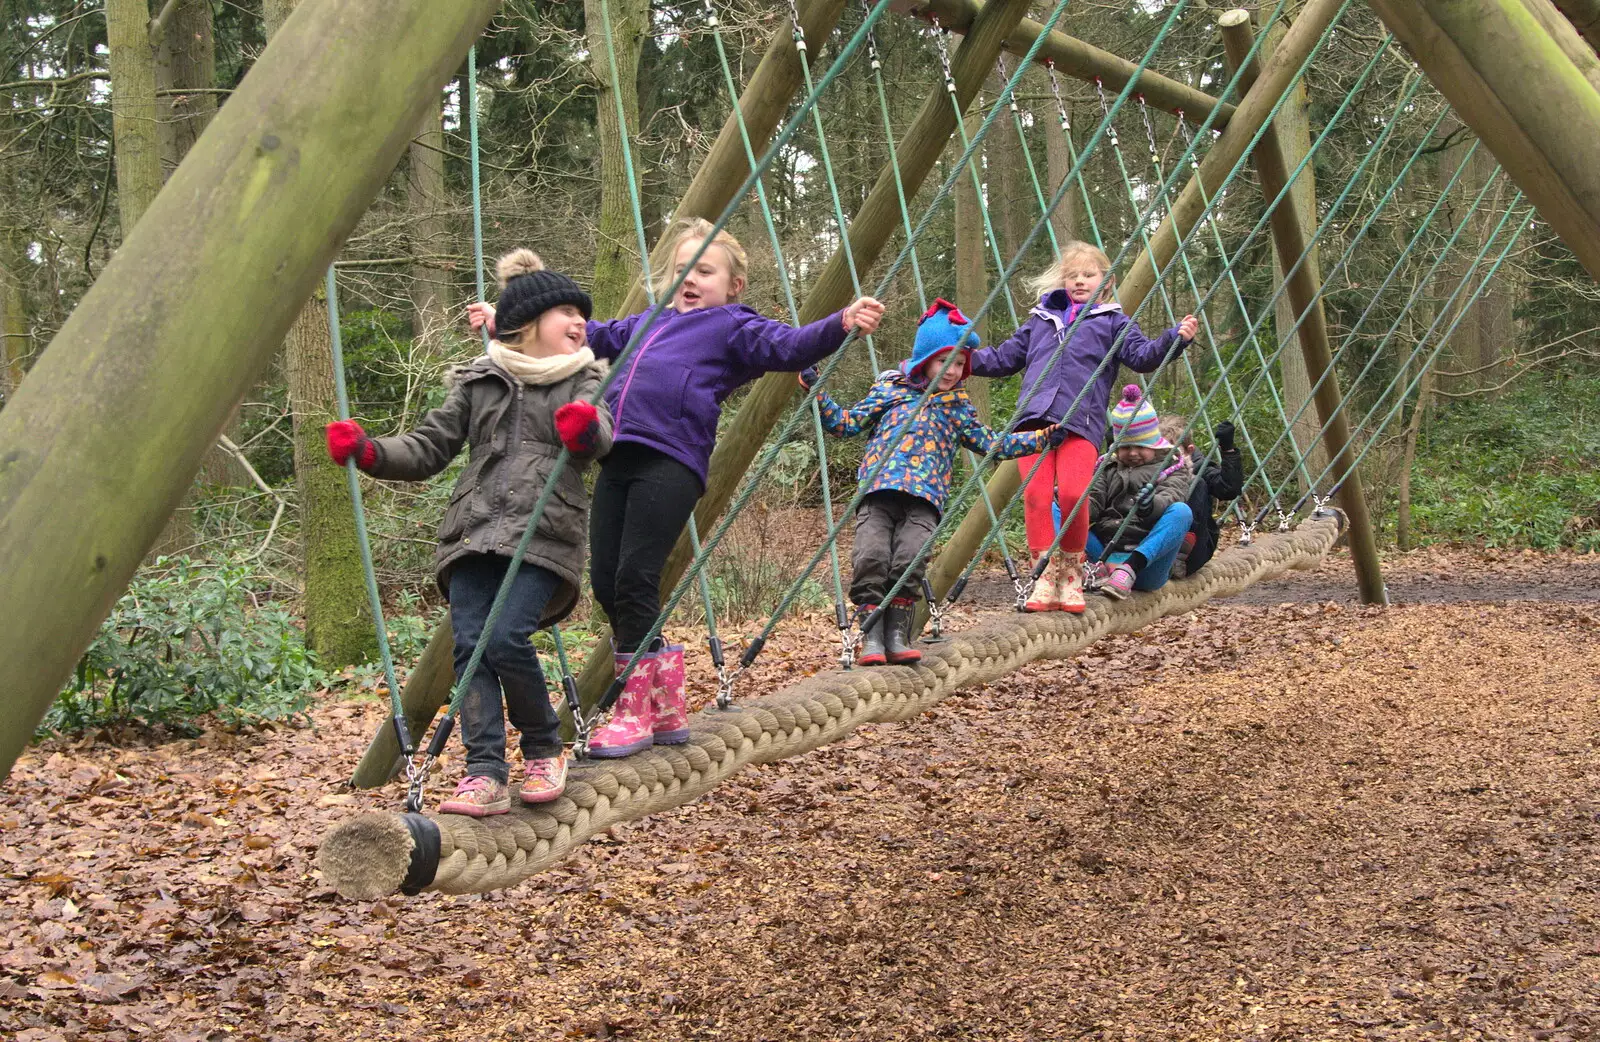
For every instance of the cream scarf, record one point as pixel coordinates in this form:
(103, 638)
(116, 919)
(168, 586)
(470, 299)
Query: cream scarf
(539, 372)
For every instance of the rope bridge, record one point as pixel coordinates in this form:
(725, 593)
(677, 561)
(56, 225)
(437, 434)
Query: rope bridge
(1175, 243)
(375, 855)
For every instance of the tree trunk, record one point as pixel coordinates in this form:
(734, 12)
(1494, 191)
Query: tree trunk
(106, 434)
(972, 280)
(1402, 531)
(1498, 301)
(616, 259)
(1293, 127)
(15, 342)
(1008, 180)
(1058, 153)
(338, 621)
(430, 232)
(135, 115)
(186, 61)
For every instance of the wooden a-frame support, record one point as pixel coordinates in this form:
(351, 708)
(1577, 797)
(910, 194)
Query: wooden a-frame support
(1520, 76)
(1305, 299)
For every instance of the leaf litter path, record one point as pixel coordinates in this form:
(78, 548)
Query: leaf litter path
(1300, 822)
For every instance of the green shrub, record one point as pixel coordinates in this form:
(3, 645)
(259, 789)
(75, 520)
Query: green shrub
(1516, 470)
(185, 642)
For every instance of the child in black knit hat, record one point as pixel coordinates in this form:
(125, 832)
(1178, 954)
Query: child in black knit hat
(515, 406)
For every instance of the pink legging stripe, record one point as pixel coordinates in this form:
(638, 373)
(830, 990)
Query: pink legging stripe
(1063, 478)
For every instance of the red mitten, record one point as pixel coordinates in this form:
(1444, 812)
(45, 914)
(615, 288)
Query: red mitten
(578, 423)
(347, 439)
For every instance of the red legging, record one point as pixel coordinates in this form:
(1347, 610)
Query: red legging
(1062, 478)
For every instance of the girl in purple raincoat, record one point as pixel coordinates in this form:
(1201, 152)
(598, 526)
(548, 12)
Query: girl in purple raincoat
(1057, 359)
(664, 408)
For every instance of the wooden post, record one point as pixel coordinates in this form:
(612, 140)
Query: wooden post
(1074, 57)
(1303, 290)
(104, 437)
(763, 102)
(1519, 75)
(1133, 288)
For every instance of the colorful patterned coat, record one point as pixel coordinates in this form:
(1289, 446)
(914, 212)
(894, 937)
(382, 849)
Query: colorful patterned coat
(922, 463)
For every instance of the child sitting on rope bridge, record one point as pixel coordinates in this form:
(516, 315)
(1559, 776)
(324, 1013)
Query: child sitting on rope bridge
(515, 407)
(1062, 362)
(665, 403)
(901, 506)
(1215, 481)
(1138, 506)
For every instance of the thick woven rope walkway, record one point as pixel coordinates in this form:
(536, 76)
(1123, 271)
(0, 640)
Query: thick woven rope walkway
(377, 854)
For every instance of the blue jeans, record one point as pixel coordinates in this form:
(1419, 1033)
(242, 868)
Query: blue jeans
(510, 664)
(1159, 548)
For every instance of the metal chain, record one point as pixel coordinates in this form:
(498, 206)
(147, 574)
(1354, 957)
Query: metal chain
(944, 55)
(872, 42)
(794, 21)
(1105, 110)
(1055, 88)
(1150, 133)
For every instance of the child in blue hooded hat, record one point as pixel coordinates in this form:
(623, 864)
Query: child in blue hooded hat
(901, 506)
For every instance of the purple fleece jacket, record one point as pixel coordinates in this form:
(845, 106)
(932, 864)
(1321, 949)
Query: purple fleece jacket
(1033, 345)
(670, 391)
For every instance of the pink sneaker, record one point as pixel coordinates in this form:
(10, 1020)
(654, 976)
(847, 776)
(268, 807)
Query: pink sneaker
(667, 698)
(631, 727)
(478, 797)
(544, 778)
(1119, 583)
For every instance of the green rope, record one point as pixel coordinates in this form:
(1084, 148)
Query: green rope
(782, 265)
(1417, 290)
(363, 544)
(1182, 240)
(1444, 340)
(1033, 234)
(1405, 253)
(747, 489)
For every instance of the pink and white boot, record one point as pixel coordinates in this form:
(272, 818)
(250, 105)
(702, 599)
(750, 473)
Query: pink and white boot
(671, 724)
(631, 726)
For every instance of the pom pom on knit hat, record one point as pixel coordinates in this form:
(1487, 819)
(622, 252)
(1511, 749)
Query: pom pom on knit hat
(528, 290)
(1134, 421)
(520, 261)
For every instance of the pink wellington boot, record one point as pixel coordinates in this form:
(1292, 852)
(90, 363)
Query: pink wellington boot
(667, 697)
(630, 728)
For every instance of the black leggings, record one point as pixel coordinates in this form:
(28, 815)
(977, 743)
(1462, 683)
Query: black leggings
(642, 500)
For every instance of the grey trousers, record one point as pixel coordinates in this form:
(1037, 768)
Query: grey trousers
(891, 530)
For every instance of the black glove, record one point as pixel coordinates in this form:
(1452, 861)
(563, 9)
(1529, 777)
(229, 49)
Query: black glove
(1145, 501)
(1055, 434)
(1223, 432)
(807, 377)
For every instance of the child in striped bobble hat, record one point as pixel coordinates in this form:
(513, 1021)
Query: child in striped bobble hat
(1142, 490)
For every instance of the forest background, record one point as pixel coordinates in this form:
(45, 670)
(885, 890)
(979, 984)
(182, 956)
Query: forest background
(253, 600)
